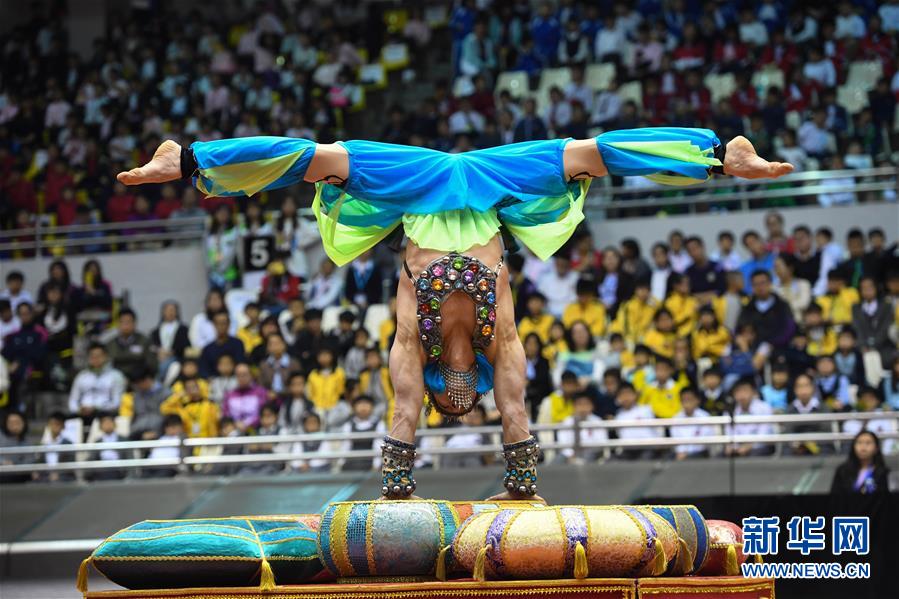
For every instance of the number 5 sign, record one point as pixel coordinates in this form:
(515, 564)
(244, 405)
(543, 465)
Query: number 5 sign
(257, 252)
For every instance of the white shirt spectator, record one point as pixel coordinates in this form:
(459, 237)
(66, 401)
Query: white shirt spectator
(166, 453)
(558, 115)
(821, 71)
(813, 139)
(466, 121)
(680, 261)
(217, 99)
(754, 33)
(358, 425)
(109, 454)
(588, 435)
(732, 261)
(101, 390)
(808, 32)
(658, 282)
(858, 161)
(20, 298)
(559, 290)
(324, 290)
(610, 41)
(889, 16)
(638, 412)
(849, 26)
(326, 74)
(607, 107)
(581, 93)
(56, 113)
(757, 407)
(691, 431)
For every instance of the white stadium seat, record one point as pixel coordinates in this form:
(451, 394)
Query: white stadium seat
(852, 98)
(516, 82)
(374, 316)
(331, 316)
(632, 91)
(765, 78)
(864, 74)
(720, 86)
(598, 76)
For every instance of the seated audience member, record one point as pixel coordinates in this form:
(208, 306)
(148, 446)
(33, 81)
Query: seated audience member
(848, 358)
(662, 395)
(643, 371)
(108, 434)
(172, 430)
(726, 255)
(14, 433)
(9, 322)
(269, 326)
(277, 366)
(760, 259)
(326, 383)
(864, 471)
(710, 339)
(832, 387)
(690, 399)
(224, 379)
(325, 287)
(661, 271)
(872, 319)
(190, 369)
(345, 334)
(822, 339)
(364, 282)
(311, 339)
(583, 412)
(97, 388)
(198, 413)
(279, 287)
(293, 320)
(141, 406)
(223, 343)
(706, 277)
(375, 382)
(95, 293)
(629, 409)
(476, 417)
(559, 405)
(746, 358)
(294, 404)
(769, 315)
(714, 400)
(362, 421)
(202, 330)
(660, 338)
(15, 292)
(536, 319)
(807, 402)
(307, 450)
(796, 355)
(796, 291)
(228, 430)
(837, 303)
(25, 352)
(777, 393)
(268, 427)
(587, 309)
(748, 403)
(685, 368)
(729, 305)
(354, 361)
(246, 399)
(249, 334)
(682, 306)
(56, 436)
(557, 342)
(130, 351)
(634, 317)
(557, 284)
(170, 337)
(869, 401)
(581, 357)
(617, 354)
(604, 402)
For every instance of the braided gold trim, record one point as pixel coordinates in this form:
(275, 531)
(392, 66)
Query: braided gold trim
(181, 534)
(711, 586)
(638, 563)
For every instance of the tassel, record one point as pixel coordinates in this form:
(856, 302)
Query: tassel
(581, 569)
(684, 563)
(758, 559)
(81, 579)
(480, 565)
(266, 577)
(441, 563)
(730, 562)
(660, 564)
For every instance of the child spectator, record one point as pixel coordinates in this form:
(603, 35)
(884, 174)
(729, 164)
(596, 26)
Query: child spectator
(375, 382)
(345, 334)
(583, 412)
(537, 371)
(617, 356)
(327, 382)
(556, 343)
(354, 363)
(726, 255)
(199, 415)
(684, 366)
(848, 358)
(833, 387)
(537, 320)
(9, 322)
(108, 434)
(796, 354)
(713, 399)
(559, 405)
(55, 437)
(581, 357)
(587, 309)
(170, 338)
(268, 427)
(25, 351)
(249, 333)
(223, 343)
(745, 358)
(475, 417)
(806, 402)
(628, 409)
(690, 399)
(710, 339)
(872, 319)
(661, 270)
(312, 424)
(729, 304)
(172, 430)
(604, 403)
(294, 405)
(660, 338)
(363, 421)
(642, 372)
(14, 433)
(635, 316)
(796, 291)
(663, 394)
(869, 400)
(267, 328)
(98, 387)
(748, 403)
(864, 471)
(822, 339)
(277, 366)
(224, 380)
(15, 292)
(141, 406)
(202, 330)
(776, 393)
(837, 303)
(228, 430)
(244, 401)
(681, 304)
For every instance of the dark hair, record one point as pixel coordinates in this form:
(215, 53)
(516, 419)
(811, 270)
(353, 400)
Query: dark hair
(780, 367)
(5, 429)
(876, 460)
(665, 360)
(171, 420)
(310, 415)
(515, 261)
(363, 397)
(848, 330)
(661, 312)
(57, 415)
(67, 279)
(745, 382)
(836, 274)
(625, 386)
(271, 406)
(15, 276)
(5, 304)
(616, 337)
(641, 348)
(127, 312)
(96, 345)
(825, 231)
(855, 233)
(569, 335)
(87, 265)
(802, 229)
(691, 390)
(876, 231)
(347, 316)
(713, 371)
(725, 235)
(220, 313)
(313, 314)
(694, 239)
(224, 421)
(616, 372)
(251, 306)
(632, 245)
(537, 295)
(586, 285)
(760, 272)
(569, 377)
(748, 234)
(869, 390)
(214, 226)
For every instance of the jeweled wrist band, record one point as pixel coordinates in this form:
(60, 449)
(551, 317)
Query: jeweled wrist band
(521, 466)
(398, 458)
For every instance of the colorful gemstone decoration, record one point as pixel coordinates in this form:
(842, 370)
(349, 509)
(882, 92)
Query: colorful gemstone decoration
(482, 285)
(486, 330)
(438, 270)
(427, 324)
(458, 263)
(437, 284)
(422, 283)
(492, 316)
(424, 308)
(491, 297)
(435, 304)
(473, 267)
(453, 274)
(482, 312)
(436, 350)
(468, 276)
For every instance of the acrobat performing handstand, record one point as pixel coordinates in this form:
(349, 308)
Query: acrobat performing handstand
(455, 337)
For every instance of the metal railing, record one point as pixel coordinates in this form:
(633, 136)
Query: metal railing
(187, 446)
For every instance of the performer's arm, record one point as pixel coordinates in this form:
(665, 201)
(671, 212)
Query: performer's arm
(669, 155)
(243, 166)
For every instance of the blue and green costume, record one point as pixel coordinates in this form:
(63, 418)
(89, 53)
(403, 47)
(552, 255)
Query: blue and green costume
(450, 202)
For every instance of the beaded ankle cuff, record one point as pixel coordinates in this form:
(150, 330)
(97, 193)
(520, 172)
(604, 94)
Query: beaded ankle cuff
(521, 466)
(398, 458)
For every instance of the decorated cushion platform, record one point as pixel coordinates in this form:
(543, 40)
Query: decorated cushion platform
(719, 587)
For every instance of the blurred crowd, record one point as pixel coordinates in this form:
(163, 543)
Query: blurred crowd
(69, 122)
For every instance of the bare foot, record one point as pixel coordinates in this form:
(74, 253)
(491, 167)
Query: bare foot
(741, 160)
(165, 166)
(506, 496)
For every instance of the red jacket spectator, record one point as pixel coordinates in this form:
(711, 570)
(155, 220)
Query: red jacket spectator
(279, 286)
(779, 53)
(120, 205)
(745, 101)
(66, 208)
(57, 180)
(20, 192)
(879, 46)
(730, 52)
(697, 97)
(165, 206)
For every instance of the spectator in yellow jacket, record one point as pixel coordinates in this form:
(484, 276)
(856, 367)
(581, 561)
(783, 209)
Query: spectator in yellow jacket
(387, 328)
(642, 371)
(537, 320)
(837, 303)
(560, 404)
(822, 339)
(375, 382)
(557, 342)
(660, 338)
(249, 334)
(710, 339)
(635, 316)
(199, 414)
(587, 308)
(663, 394)
(681, 304)
(326, 383)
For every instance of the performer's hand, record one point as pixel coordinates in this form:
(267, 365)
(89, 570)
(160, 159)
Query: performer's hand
(165, 166)
(741, 160)
(507, 496)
